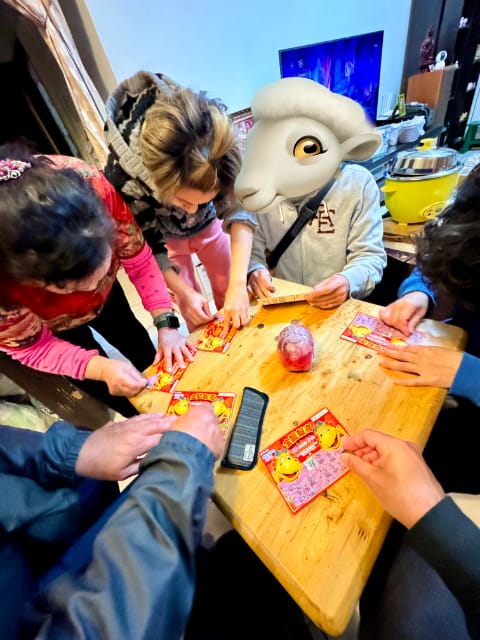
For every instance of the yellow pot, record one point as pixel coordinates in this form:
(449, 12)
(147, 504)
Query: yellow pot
(416, 199)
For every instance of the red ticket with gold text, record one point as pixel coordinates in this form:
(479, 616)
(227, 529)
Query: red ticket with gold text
(210, 339)
(159, 379)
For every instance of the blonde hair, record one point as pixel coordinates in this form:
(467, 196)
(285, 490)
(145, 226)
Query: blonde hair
(187, 140)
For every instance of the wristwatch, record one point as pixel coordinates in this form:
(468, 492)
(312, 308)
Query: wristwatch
(167, 320)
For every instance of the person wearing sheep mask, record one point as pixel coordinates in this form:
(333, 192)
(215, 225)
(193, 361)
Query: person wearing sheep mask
(294, 161)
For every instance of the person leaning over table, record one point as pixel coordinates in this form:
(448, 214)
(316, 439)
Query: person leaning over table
(65, 234)
(448, 262)
(433, 588)
(81, 561)
(174, 158)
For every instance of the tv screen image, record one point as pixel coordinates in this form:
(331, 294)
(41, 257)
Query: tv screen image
(349, 66)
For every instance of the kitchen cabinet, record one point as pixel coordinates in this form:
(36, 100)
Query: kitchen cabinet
(442, 16)
(467, 57)
(456, 30)
(433, 88)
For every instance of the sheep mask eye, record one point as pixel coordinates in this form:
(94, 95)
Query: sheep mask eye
(307, 147)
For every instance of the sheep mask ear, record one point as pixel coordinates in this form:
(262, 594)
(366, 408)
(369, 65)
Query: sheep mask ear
(361, 147)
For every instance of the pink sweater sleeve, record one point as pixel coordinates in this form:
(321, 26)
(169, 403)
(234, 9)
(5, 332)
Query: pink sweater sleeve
(53, 355)
(145, 275)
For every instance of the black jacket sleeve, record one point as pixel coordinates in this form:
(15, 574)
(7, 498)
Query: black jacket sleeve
(450, 543)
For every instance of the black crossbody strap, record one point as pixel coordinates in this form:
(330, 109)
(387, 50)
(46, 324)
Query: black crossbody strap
(305, 214)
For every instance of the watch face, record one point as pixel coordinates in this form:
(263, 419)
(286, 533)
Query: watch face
(173, 322)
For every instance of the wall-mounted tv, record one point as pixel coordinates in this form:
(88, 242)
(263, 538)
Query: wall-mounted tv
(350, 66)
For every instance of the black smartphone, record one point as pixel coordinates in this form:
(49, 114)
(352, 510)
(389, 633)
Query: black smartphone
(244, 441)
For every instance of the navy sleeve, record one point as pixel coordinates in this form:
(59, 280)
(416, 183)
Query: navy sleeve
(465, 383)
(37, 474)
(45, 458)
(140, 582)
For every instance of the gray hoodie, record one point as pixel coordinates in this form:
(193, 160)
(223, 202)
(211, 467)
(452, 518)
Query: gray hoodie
(346, 236)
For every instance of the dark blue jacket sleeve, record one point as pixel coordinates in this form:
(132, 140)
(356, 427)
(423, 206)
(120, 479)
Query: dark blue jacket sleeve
(466, 382)
(140, 582)
(37, 473)
(416, 281)
(46, 458)
(450, 543)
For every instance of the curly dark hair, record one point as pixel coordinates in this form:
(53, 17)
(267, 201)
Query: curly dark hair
(54, 227)
(448, 251)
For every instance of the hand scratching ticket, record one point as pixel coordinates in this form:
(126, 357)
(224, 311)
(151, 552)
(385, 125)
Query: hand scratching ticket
(372, 333)
(159, 379)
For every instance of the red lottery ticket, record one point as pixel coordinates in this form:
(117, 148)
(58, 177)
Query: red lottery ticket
(210, 339)
(306, 460)
(159, 379)
(373, 333)
(222, 403)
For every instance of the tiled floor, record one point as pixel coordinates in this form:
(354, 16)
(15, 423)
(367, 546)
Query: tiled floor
(216, 523)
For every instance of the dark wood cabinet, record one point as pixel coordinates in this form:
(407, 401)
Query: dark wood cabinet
(443, 17)
(467, 56)
(456, 29)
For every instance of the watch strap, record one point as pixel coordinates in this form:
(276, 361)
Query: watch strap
(169, 320)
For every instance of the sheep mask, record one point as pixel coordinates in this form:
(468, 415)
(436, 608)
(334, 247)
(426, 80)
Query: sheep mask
(302, 134)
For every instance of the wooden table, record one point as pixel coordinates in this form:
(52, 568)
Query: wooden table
(323, 554)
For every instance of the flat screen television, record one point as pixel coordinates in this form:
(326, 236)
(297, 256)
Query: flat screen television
(349, 66)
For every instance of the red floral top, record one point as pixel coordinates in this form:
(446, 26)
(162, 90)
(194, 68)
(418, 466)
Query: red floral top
(29, 315)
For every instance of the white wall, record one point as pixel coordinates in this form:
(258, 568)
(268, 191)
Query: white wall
(230, 49)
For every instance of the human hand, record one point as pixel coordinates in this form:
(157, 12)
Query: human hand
(405, 313)
(329, 293)
(259, 283)
(394, 470)
(113, 452)
(431, 366)
(121, 378)
(195, 307)
(201, 423)
(235, 309)
(173, 347)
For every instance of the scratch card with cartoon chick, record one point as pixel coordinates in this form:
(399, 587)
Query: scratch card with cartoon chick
(222, 403)
(210, 339)
(374, 334)
(159, 379)
(306, 460)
